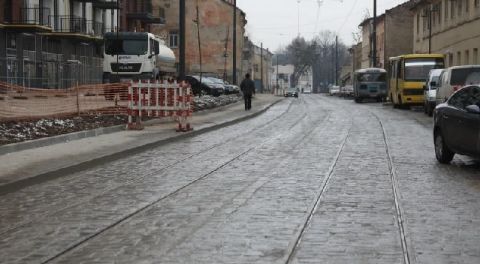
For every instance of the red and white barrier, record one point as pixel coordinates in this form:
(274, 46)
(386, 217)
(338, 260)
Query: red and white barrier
(160, 99)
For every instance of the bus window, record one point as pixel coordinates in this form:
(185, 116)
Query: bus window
(418, 69)
(371, 77)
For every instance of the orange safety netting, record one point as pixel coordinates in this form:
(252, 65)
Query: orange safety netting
(18, 102)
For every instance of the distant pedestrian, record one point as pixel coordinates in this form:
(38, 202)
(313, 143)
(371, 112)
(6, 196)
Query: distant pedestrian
(248, 88)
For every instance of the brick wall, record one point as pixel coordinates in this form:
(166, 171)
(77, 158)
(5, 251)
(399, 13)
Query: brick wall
(216, 20)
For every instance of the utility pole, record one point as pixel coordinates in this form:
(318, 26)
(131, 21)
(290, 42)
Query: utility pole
(234, 74)
(261, 67)
(276, 77)
(199, 42)
(428, 15)
(118, 37)
(374, 35)
(181, 70)
(336, 60)
(225, 53)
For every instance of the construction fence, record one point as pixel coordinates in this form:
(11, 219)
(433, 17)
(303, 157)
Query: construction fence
(154, 99)
(19, 102)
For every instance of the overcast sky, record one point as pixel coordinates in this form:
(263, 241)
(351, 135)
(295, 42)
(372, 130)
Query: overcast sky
(275, 22)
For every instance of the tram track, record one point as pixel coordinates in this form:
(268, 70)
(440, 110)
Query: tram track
(182, 188)
(133, 181)
(395, 190)
(293, 247)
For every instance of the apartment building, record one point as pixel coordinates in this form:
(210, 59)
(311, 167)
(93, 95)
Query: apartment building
(367, 43)
(394, 35)
(257, 61)
(54, 43)
(142, 15)
(214, 28)
(450, 27)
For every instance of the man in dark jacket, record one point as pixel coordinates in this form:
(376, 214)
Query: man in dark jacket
(248, 88)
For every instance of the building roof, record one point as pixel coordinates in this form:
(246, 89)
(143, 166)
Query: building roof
(367, 20)
(419, 3)
(408, 4)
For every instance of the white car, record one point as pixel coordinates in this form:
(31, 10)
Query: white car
(334, 90)
(454, 78)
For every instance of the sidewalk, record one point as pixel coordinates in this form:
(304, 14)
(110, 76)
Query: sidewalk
(31, 166)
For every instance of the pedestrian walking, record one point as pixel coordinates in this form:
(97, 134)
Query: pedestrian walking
(248, 89)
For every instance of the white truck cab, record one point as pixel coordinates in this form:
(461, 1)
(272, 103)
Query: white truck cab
(136, 56)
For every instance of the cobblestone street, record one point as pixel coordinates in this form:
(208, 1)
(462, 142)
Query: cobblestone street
(316, 179)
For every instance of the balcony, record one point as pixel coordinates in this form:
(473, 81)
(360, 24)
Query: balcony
(142, 10)
(77, 25)
(101, 4)
(34, 18)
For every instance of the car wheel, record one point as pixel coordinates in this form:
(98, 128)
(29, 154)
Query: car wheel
(430, 111)
(425, 108)
(442, 152)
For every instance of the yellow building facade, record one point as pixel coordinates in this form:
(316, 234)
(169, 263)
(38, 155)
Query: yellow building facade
(454, 27)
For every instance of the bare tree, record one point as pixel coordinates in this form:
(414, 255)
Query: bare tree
(301, 54)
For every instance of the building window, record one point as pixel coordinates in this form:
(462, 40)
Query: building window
(446, 11)
(475, 56)
(477, 3)
(418, 24)
(467, 6)
(450, 59)
(173, 39)
(438, 12)
(161, 12)
(459, 58)
(424, 19)
(467, 57)
(255, 67)
(460, 10)
(452, 9)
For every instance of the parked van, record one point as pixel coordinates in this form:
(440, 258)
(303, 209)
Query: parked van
(430, 91)
(454, 78)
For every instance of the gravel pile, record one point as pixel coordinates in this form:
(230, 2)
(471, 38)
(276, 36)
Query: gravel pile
(18, 131)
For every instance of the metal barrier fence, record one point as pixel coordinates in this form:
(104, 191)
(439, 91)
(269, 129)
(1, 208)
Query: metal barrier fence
(160, 99)
(50, 70)
(20, 102)
(140, 99)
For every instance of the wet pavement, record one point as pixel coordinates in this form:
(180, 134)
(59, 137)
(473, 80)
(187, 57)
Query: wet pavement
(316, 179)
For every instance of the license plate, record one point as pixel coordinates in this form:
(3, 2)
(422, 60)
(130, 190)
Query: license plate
(125, 80)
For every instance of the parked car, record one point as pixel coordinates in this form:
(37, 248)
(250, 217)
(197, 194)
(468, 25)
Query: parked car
(457, 125)
(231, 89)
(206, 86)
(455, 78)
(334, 90)
(218, 84)
(346, 91)
(430, 91)
(291, 92)
(197, 87)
